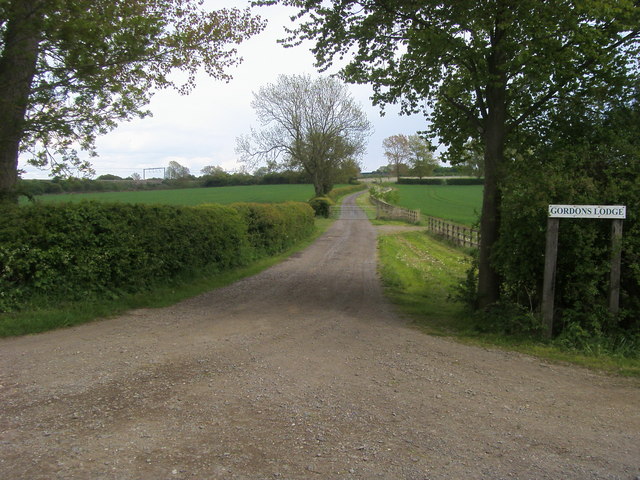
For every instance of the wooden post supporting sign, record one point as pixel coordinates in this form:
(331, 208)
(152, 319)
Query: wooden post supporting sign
(549, 285)
(617, 213)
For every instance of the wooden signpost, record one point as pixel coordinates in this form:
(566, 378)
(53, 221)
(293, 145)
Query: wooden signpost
(617, 213)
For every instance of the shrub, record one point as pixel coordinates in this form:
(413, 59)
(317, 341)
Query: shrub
(321, 206)
(421, 181)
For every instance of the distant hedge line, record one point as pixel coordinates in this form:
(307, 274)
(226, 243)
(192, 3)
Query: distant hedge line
(102, 250)
(441, 181)
(29, 187)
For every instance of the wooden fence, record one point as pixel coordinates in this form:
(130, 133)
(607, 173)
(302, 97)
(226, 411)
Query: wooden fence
(459, 234)
(385, 210)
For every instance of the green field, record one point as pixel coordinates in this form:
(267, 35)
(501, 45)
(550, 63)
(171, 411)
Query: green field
(458, 203)
(195, 196)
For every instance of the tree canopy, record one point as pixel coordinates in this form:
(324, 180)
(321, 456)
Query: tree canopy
(312, 124)
(422, 160)
(479, 69)
(175, 171)
(71, 69)
(398, 151)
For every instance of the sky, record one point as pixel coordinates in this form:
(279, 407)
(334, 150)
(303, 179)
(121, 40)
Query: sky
(201, 129)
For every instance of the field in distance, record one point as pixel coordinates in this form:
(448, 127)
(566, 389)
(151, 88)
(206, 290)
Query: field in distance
(458, 203)
(195, 196)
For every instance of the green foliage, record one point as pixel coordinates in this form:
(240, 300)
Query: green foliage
(102, 250)
(441, 181)
(421, 181)
(339, 192)
(589, 157)
(321, 206)
(276, 227)
(511, 319)
(385, 193)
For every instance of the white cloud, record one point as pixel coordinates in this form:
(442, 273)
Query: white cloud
(201, 128)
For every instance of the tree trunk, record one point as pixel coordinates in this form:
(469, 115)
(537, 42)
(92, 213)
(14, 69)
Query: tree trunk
(17, 70)
(495, 129)
(488, 278)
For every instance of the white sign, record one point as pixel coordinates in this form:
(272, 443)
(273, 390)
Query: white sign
(588, 211)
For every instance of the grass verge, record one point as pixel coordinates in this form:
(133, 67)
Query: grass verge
(420, 273)
(43, 315)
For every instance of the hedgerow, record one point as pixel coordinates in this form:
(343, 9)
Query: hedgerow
(421, 181)
(272, 228)
(101, 250)
(339, 192)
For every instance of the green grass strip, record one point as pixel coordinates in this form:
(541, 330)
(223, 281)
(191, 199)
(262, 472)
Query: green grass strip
(420, 273)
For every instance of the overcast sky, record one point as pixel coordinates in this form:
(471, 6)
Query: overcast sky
(201, 129)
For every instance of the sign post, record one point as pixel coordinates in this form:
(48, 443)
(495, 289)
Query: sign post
(617, 213)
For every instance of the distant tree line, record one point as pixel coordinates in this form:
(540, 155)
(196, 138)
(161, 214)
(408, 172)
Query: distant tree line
(212, 177)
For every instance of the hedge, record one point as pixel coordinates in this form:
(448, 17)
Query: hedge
(337, 193)
(421, 181)
(441, 181)
(272, 228)
(91, 249)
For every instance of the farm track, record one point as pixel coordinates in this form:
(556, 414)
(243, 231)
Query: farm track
(303, 371)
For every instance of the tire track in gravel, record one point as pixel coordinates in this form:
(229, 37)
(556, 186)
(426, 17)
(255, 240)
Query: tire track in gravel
(303, 371)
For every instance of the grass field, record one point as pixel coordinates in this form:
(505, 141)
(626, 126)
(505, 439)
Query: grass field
(195, 196)
(458, 203)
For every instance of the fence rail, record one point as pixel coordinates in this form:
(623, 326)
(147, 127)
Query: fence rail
(385, 210)
(459, 234)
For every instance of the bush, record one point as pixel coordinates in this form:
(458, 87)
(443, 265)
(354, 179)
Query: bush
(321, 206)
(421, 181)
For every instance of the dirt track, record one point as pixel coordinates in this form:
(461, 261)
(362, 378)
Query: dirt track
(303, 371)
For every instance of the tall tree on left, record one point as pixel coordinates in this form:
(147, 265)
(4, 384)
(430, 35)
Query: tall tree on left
(72, 69)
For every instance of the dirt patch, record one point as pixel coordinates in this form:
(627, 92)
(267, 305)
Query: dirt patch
(303, 371)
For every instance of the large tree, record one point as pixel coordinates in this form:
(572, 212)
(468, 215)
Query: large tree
(71, 69)
(309, 124)
(479, 69)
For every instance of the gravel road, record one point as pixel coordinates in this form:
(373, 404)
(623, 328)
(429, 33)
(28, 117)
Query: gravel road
(301, 372)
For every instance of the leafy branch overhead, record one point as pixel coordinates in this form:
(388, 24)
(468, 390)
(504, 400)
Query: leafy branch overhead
(71, 69)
